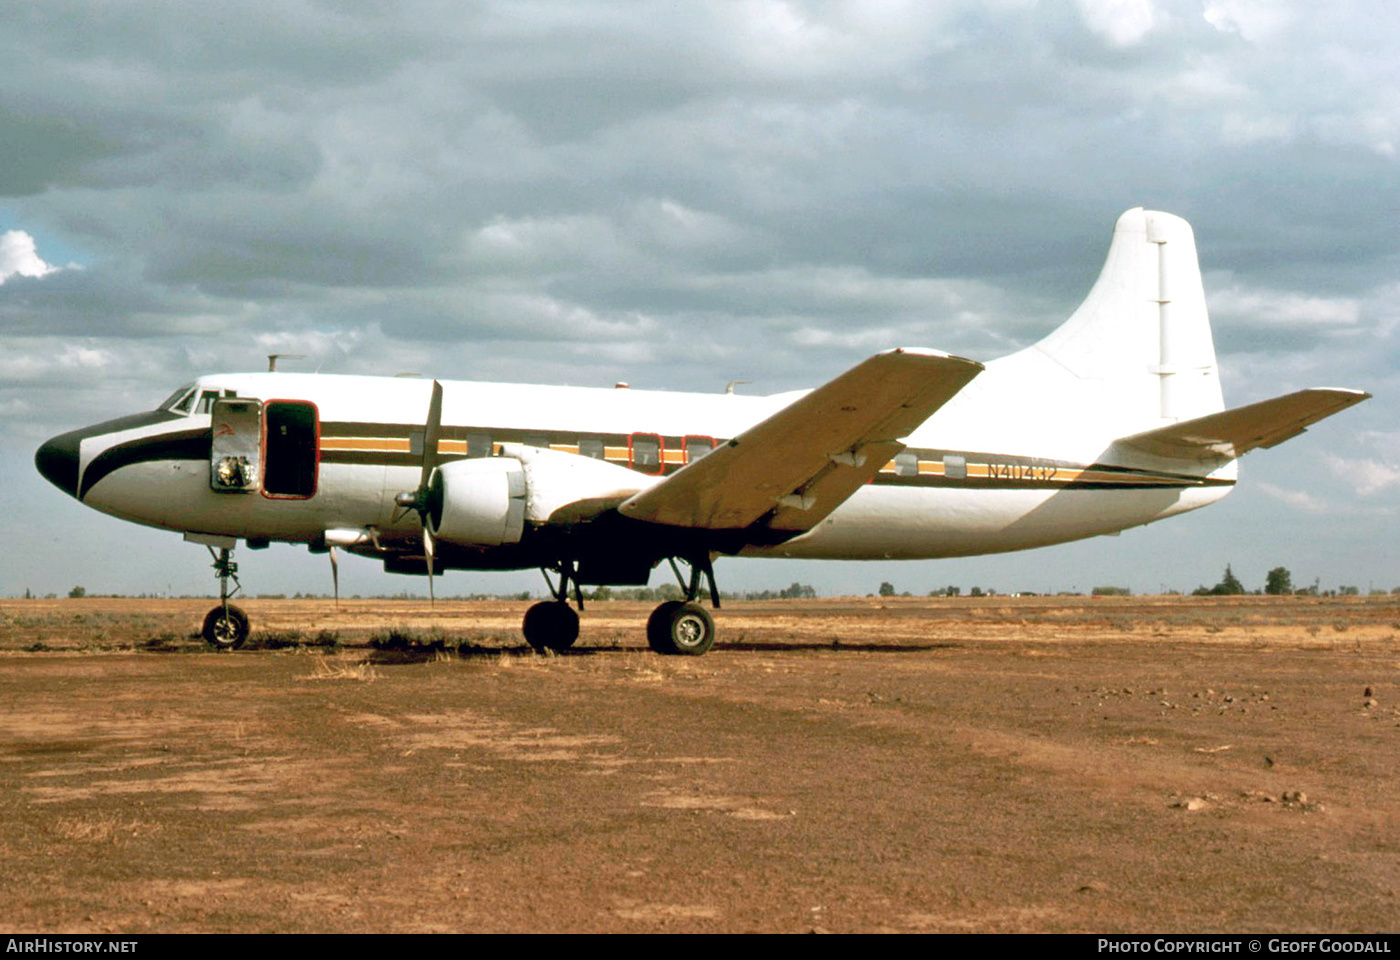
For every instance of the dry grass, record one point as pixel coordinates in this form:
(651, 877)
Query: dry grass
(100, 828)
(327, 669)
(492, 627)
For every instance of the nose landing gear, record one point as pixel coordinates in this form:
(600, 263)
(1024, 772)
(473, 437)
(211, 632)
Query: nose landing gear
(226, 626)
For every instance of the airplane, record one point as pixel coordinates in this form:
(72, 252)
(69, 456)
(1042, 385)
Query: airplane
(1113, 420)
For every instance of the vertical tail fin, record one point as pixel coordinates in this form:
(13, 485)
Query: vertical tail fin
(1143, 331)
(1136, 356)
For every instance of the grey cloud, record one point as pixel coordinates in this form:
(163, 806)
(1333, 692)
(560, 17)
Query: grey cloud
(676, 194)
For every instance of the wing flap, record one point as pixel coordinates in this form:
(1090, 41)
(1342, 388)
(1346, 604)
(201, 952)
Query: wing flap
(802, 462)
(830, 488)
(1232, 433)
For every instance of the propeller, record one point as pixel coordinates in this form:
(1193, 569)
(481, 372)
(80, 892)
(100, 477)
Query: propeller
(418, 500)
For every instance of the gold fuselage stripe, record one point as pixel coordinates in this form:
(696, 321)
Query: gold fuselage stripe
(978, 469)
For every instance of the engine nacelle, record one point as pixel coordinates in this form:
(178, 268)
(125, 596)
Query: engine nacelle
(477, 502)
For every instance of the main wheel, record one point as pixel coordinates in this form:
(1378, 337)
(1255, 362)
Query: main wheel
(677, 627)
(550, 625)
(225, 631)
(659, 626)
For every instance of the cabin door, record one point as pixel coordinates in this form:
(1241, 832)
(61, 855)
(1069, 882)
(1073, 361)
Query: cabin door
(291, 448)
(235, 454)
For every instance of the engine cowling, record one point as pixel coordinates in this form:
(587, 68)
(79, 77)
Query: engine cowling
(478, 502)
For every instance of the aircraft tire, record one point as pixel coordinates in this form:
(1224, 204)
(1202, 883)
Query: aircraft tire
(681, 628)
(225, 633)
(659, 626)
(550, 625)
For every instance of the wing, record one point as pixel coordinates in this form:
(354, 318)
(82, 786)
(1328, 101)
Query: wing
(1231, 433)
(801, 463)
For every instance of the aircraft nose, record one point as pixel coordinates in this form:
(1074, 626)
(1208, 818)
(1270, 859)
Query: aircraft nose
(57, 460)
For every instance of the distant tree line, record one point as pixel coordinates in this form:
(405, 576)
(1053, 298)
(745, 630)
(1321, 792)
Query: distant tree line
(1278, 582)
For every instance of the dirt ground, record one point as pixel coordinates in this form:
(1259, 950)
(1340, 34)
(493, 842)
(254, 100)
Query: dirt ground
(995, 764)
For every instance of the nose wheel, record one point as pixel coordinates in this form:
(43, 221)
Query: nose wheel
(225, 628)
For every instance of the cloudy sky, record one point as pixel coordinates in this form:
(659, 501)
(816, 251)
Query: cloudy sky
(679, 195)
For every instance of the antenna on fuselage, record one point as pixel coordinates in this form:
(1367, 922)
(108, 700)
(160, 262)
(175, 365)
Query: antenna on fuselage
(272, 359)
(729, 387)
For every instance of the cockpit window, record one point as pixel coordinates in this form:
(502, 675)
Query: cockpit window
(179, 401)
(190, 399)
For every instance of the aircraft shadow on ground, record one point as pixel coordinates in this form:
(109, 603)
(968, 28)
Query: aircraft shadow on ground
(426, 654)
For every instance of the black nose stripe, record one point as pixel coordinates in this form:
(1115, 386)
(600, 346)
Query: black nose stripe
(57, 460)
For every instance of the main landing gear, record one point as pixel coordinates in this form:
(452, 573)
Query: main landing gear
(553, 624)
(680, 627)
(226, 626)
(683, 627)
(676, 627)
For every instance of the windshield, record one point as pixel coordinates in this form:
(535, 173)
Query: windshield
(179, 401)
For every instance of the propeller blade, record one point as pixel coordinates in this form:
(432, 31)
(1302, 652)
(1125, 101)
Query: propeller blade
(431, 432)
(428, 556)
(335, 575)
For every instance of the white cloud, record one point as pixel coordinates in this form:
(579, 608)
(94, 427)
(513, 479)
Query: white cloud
(1254, 20)
(1121, 22)
(1266, 307)
(19, 256)
(1387, 442)
(1366, 477)
(845, 38)
(77, 357)
(1300, 499)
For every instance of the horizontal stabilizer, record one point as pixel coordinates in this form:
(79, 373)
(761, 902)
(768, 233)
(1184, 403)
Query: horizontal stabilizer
(1231, 433)
(801, 463)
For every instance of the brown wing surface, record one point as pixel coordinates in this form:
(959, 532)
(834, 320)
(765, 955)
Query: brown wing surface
(1231, 433)
(801, 463)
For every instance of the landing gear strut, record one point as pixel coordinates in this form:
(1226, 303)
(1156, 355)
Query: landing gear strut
(226, 626)
(553, 624)
(683, 627)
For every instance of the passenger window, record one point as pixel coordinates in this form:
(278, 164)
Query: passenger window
(697, 447)
(591, 447)
(645, 450)
(535, 440)
(906, 464)
(954, 467)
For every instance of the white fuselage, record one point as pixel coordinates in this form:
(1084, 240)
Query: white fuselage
(1003, 498)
